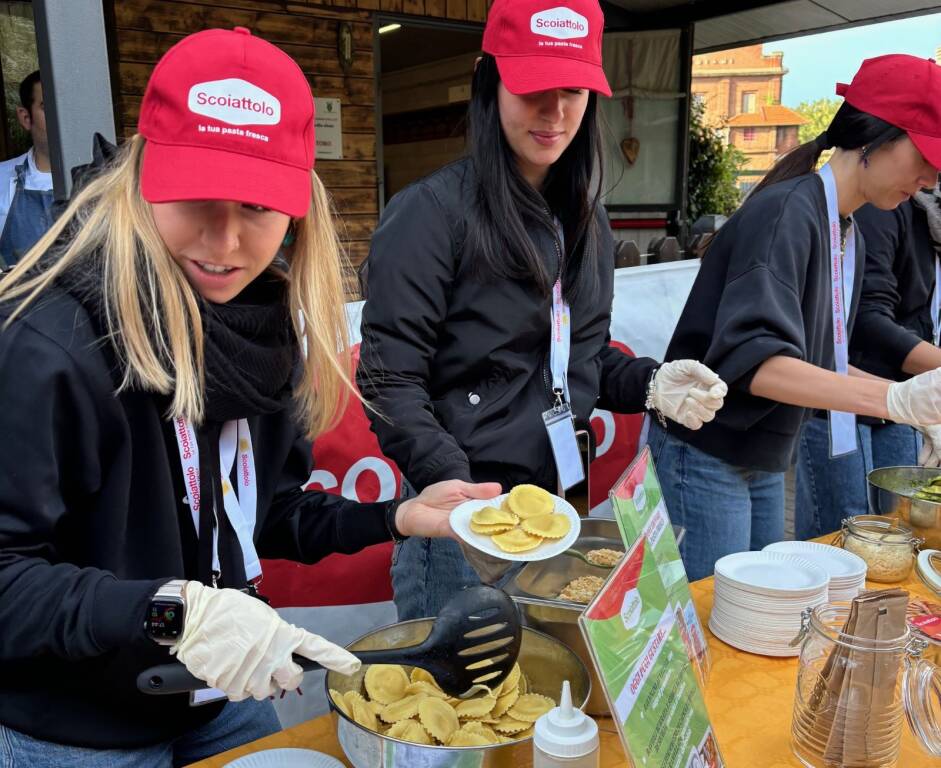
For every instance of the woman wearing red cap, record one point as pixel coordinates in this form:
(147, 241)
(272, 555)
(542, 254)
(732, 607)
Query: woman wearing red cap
(473, 266)
(157, 410)
(773, 307)
(895, 336)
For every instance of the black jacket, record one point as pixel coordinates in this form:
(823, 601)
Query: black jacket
(895, 307)
(92, 520)
(458, 368)
(763, 290)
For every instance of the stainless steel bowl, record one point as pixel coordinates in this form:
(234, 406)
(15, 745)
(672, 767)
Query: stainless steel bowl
(545, 661)
(890, 493)
(536, 589)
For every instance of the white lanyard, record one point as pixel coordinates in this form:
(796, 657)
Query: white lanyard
(842, 272)
(235, 441)
(561, 332)
(936, 303)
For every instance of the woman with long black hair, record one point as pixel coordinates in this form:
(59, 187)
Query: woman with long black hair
(773, 306)
(473, 266)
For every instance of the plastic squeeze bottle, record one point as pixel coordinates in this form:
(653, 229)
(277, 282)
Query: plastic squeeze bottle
(565, 737)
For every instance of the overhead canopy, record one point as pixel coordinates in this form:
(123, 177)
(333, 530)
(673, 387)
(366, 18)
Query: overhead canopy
(723, 24)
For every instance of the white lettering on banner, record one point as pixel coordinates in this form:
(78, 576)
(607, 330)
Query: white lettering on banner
(234, 101)
(627, 698)
(656, 525)
(379, 468)
(608, 428)
(560, 23)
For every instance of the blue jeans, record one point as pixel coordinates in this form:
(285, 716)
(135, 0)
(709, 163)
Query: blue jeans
(724, 508)
(237, 724)
(426, 573)
(829, 490)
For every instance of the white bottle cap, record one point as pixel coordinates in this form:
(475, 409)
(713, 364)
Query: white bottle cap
(566, 731)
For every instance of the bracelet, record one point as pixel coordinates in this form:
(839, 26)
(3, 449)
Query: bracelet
(649, 402)
(391, 509)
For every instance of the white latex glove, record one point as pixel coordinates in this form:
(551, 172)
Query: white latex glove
(240, 645)
(916, 401)
(930, 455)
(687, 392)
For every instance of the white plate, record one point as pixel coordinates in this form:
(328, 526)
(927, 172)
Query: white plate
(460, 522)
(772, 572)
(839, 563)
(286, 758)
(731, 638)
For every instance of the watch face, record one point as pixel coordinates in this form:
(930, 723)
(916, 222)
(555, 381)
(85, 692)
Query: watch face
(165, 619)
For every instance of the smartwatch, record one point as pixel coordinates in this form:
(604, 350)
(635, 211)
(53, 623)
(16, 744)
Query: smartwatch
(166, 613)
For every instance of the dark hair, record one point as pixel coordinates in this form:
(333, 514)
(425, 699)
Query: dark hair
(26, 91)
(849, 129)
(505, 202)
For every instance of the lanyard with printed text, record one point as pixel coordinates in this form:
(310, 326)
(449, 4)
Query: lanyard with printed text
(936, 303)
(842, 273)
(235, 449)
(559, 420)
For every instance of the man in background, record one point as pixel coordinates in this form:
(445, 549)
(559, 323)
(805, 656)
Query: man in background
(26, 181)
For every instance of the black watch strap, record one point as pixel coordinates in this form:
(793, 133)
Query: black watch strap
(391, 508)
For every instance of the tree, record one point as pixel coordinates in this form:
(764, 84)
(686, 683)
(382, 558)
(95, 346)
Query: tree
(818, 114)
(713, 168)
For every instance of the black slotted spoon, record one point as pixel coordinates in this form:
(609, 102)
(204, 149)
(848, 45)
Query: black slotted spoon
(473, 643)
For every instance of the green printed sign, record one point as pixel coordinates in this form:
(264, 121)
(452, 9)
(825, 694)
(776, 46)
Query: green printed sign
(635, 642)
(640, 511)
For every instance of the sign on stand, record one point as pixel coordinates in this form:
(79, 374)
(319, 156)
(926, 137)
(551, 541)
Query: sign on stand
(329, 129)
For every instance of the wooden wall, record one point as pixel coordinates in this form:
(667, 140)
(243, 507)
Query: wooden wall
(144, 29)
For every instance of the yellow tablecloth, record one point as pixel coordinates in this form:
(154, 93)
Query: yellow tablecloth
(749, 699)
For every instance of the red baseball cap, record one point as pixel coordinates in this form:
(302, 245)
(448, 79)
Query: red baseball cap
(544, 44)
(905, 91)
(228, 116)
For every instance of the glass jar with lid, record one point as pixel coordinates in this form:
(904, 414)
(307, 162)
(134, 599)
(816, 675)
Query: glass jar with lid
(887, 545)
(854, 694)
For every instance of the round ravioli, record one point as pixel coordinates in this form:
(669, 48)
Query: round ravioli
(419, 675)
(462, 738)
(474, 708)
(516, 540)
(363, 714)
(409, 730)
(548, 526)
(386, 683)
(530, 706)
(504, 702)
(490, 530)
(510, 726)
(494, 516)
(439, 718)
(425, 688)
(340, 702)
(530, 500)
(403, 709)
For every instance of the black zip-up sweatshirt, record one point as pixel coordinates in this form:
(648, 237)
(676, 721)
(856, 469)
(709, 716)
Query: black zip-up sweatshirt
(895, 307)
(459, 368)
(93, 520)
(763, 290)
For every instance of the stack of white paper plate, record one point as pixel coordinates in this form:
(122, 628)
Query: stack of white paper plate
(759, 598)
(847, 571)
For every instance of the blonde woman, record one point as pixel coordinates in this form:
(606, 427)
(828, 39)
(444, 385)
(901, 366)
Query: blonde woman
(152, 384)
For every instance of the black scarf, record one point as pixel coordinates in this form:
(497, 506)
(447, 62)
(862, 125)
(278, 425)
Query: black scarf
(250, 352)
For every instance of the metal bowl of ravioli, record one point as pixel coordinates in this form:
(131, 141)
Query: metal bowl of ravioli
(894, 492)
(545, 662)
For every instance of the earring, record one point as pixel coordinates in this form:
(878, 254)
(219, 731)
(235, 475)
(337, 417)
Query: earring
(290, 236)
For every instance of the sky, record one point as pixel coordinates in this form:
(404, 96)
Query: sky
(817, 62)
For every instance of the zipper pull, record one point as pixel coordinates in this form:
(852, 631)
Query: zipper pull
(559, 402)
(215, 579)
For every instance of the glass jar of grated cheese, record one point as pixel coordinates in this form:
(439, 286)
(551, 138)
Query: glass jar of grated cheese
(887, 545)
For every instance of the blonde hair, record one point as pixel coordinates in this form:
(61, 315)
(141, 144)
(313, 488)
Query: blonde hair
(151, 312)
